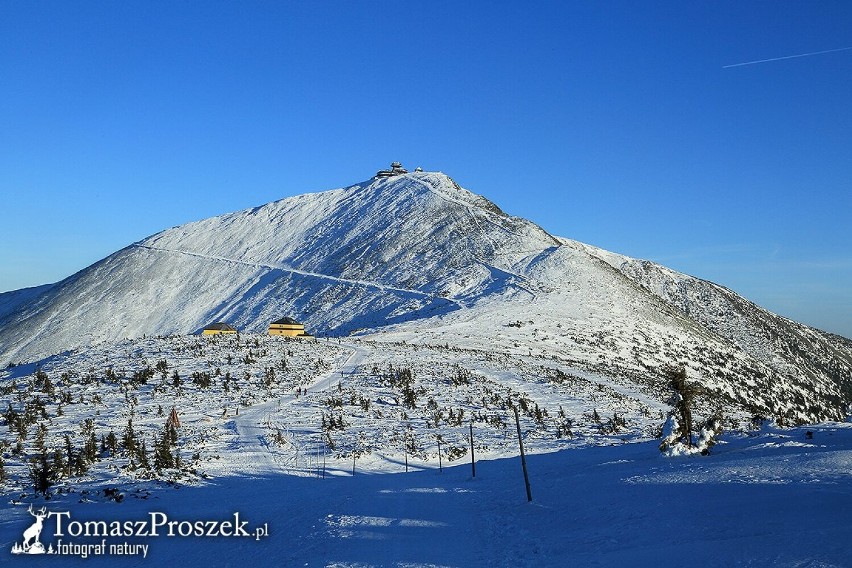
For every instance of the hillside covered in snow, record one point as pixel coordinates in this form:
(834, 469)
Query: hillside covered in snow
(415, 258)
(358, 453)
(437, 317)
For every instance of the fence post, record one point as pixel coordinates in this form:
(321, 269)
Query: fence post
(523, 458)
(472, 457)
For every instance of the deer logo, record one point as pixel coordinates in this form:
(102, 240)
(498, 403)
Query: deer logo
(31, 543)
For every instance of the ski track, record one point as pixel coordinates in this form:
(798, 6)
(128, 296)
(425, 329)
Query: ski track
(253, 424)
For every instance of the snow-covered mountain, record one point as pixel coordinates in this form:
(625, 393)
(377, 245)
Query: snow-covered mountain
(364, 256)
(416, 258)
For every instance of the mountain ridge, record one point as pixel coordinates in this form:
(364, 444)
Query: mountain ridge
(418, 257)
(318, 250)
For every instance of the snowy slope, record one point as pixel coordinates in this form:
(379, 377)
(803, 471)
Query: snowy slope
(785, 346)
(763, 497)
(358, 257)
(747, 325)
(768, 500)
(483, 311)
(417, 258)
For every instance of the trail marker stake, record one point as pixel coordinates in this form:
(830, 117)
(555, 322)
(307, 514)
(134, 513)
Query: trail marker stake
(523, 458)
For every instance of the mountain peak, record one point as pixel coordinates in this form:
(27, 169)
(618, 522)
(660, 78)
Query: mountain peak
(390, 249)
(436, 182)
(413, 256)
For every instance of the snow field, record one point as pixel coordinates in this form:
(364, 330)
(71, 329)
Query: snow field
(593, 506)
(770, 497)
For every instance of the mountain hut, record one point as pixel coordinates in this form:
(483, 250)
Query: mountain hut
(288, 327)
(218, 328)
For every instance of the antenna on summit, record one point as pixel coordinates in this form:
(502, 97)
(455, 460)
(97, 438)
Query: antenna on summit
(396, 169)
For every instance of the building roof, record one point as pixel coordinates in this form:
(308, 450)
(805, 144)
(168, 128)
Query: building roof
(396, 170)
(286, 321)
(221, 326)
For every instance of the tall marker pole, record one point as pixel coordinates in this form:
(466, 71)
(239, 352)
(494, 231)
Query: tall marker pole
(472, 457)
(523, 458)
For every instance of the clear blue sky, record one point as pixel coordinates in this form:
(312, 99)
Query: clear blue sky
(613, 123)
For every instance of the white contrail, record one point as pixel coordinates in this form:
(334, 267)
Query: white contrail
(786, 57)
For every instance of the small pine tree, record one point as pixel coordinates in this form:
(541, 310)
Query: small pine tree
(128, 439)
(91, 448)
(10, 415)
(163, 458)
(683, 400)
(112, 443)
(80, 465)
(142, 456)
(539, 416)
(41, 434)
(47, 386)
(41, 473)
(59, 466)
(678, 429)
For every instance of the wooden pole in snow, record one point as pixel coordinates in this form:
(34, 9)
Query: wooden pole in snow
(472, 457)
(523, 458)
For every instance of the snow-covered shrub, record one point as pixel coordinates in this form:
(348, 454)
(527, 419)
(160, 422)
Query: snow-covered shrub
(673, 443)
(708, 434)
(677, 431)
(671, 434)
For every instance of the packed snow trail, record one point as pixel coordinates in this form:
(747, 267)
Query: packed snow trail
(359, 355)
(288, 268)
(255, 425)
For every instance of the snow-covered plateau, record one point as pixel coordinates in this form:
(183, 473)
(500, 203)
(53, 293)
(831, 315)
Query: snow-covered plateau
(437, 316)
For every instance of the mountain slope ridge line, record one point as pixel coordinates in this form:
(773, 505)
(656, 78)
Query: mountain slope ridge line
(469, 207)
(287, 268)
(419, 259)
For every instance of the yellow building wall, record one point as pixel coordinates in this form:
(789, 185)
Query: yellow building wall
(216, 332)
(287, 330)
